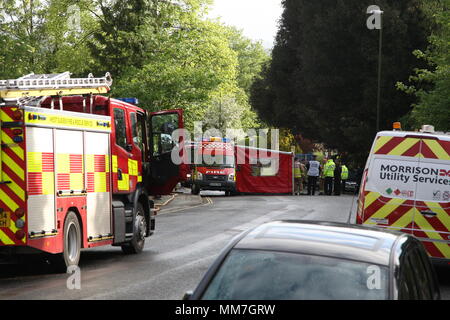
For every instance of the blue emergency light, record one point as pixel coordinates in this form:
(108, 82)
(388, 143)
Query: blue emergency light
(134, 101)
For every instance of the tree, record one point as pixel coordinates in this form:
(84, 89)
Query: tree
(433, 88)
(322, 80)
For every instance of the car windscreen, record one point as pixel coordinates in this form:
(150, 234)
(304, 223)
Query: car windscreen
(266, 275)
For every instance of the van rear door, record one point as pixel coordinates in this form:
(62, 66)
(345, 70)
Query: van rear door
(389, 189)
(432, 216)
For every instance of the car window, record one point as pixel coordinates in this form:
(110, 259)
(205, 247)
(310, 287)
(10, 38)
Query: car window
(264, 275)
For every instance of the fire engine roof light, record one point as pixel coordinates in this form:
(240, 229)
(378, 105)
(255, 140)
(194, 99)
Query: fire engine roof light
(134, 101)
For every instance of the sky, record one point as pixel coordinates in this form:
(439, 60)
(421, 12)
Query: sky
(257, 18)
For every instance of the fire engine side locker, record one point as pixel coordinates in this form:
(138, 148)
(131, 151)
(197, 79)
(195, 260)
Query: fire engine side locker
(68, 166)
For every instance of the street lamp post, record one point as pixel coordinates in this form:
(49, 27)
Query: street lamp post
(377, 17)
(379, 69)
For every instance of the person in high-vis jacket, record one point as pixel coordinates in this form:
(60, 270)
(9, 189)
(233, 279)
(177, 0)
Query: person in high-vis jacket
(328, 173)
(344, 176)
(297, 177)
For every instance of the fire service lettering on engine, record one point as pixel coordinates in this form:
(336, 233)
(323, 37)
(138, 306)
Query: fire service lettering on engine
(403, 174)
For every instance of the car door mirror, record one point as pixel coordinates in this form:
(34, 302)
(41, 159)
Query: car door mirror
(188, 295)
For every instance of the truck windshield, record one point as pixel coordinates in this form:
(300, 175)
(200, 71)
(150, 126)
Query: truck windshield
(217, 162)
(267, 275)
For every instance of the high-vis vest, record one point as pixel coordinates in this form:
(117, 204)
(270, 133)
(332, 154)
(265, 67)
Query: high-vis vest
(297, 170)
(314, 168)
(328, 169)
(344, 174)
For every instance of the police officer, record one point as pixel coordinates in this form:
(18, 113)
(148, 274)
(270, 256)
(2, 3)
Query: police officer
(297, 177)
(313, 167)
(344, 176)
(328, 172)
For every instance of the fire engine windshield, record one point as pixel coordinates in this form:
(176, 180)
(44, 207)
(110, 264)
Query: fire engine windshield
(217, 161)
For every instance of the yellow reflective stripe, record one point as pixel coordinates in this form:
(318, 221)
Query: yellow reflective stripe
(406, 219)
(8, 201)
(13, 166)
(34, 161)
(381, 141)
(370, 198)
(100, 182)
(76, 181)
(48, 183)
(386, 209)
(437, 149)
(5, 239)
(63, 163)
(90, 163)
(13, 146)
(124, 184)
(403, 147)
(15, 188)
(132, 167)
(139, 179)
(106, 163)
(425, 226)
(114, 163)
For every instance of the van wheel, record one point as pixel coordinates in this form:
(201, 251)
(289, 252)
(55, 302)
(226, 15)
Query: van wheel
(72, 244)
(136, 245)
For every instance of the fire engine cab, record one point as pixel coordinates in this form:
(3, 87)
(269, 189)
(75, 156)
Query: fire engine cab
(214, 167)
(77, 168)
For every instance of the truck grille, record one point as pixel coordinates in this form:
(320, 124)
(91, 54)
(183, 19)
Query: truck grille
(215, 178)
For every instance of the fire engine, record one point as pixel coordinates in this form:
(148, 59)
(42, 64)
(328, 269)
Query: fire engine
(77, 167)
(216, 168)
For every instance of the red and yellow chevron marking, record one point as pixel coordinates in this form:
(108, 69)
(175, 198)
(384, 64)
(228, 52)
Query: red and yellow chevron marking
(398, 146)
(98, 175)
(405, 215)
(413, 147)
(69, 172)
(435, 228)
(398, 212)
(12, 194)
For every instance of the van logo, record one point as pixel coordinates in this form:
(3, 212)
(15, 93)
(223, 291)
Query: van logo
(389, 191)
(444, 173)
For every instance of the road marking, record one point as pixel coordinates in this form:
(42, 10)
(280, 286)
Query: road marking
(208, 200)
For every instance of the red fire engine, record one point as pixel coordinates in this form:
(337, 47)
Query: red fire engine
(77, 168)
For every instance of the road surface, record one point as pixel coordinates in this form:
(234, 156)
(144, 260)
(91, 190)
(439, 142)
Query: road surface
(176, 257)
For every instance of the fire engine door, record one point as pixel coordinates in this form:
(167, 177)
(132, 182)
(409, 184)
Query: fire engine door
(164, 173)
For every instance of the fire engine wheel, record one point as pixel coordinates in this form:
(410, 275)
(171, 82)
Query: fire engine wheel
(72, 244)
(136, 245)
(195, 189)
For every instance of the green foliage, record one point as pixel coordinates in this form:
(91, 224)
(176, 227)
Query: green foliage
(322, 80)
(166, 53)
(432, 87)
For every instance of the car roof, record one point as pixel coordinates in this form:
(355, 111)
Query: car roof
(331, 239)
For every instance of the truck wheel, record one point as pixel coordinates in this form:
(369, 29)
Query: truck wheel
(195, 189)
(72, 244)
(136, 245)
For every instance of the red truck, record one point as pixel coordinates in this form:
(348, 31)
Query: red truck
(77, 168)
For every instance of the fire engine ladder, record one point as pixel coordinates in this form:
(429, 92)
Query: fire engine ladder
(32, 89)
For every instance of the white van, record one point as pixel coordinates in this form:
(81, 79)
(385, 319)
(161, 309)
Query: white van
(406, 187)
